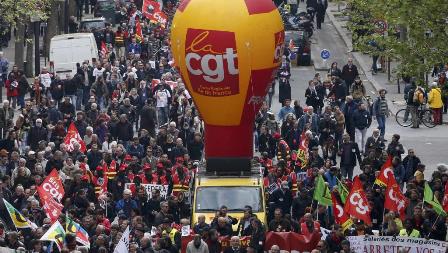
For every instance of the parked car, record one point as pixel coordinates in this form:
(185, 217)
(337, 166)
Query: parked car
(86, 25)
(105, 9)
(301, 46)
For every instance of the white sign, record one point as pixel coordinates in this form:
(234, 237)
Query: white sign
(150, 187)
(123, 244)
(383, 244)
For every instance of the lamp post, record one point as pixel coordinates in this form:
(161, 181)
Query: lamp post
(36, 22)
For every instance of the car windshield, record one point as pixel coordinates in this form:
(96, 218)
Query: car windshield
(93, 24)
(209, 199)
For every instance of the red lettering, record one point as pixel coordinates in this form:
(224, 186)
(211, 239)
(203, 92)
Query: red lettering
(372, 248)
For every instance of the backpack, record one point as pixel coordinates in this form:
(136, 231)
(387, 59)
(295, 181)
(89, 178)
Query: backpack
(419, 96)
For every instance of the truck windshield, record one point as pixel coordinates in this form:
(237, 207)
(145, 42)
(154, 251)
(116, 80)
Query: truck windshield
(211, 198)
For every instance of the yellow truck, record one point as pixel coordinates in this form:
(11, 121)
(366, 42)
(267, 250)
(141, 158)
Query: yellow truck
(234, 192)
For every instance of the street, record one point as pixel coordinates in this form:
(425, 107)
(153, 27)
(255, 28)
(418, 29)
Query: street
(429, 144)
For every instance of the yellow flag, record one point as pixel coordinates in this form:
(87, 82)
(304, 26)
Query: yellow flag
(17, 218)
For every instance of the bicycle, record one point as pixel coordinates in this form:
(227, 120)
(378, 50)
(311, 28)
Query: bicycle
(424, 115)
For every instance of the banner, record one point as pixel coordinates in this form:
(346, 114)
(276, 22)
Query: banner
(53, 185)
(72, 137)
(289, 241)
(149, 187)
(383, 244)
(51, 207)
(149, 7)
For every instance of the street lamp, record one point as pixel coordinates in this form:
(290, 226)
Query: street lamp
(36, 21)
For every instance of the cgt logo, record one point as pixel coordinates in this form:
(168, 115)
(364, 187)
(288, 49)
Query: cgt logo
(279, 46)
(211, 59)
(356, 200)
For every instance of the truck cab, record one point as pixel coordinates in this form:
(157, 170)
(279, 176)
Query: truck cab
(235, 192)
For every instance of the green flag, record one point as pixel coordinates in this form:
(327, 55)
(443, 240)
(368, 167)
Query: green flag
(430, 199)
(321, 193)
(343, 192)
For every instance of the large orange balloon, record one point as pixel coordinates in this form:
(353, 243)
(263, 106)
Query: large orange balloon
(227, 52)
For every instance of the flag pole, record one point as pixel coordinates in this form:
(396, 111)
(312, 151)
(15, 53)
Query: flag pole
(384, 214)
(317, 211)
(432, 227)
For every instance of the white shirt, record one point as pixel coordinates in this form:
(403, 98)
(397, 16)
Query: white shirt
(162, 97)
(97, 72)
(45, 79)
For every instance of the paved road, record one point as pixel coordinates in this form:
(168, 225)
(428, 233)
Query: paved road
(429, 144)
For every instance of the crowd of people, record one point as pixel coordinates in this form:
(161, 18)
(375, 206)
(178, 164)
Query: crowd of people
(131, 109)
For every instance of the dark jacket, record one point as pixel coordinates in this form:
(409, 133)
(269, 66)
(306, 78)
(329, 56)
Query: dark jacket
(349, 153)
(36, 135)
(410, 166)
(362, 119)
(349, 73)
(125, 131)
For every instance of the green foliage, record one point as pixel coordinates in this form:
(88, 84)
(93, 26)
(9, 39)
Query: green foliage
(13, 12)
(417, 33)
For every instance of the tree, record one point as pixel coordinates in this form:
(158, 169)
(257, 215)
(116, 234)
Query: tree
(17, 14)
(416, 34)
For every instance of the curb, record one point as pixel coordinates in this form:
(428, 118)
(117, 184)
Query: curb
(361, 63)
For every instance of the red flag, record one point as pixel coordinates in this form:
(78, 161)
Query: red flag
(51, 207)
(72, 137)
(445, 199)
(340, 216)
(138, 32)
(159, 18)
(105, 170)
(385, 172)
(302, 153)
(394, 198)
(113, 165)
(356, 204)
(103, 49)
(53, 185)
(150, 7)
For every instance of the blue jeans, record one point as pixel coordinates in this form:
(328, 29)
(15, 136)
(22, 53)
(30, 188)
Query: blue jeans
(79, 95)
(162, 115)
(381, 119)
(21, 101)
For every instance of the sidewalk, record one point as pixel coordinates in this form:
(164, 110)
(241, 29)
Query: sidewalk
(378, 81)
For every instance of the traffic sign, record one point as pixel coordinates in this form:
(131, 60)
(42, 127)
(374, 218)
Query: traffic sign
(380, 26)
(325, 54)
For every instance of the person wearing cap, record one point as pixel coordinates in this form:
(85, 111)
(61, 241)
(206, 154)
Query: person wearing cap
(435, 103)
(395, 148)
(173, 233)
(37, 133)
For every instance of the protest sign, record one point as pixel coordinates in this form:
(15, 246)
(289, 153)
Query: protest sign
(149, 188)
(383, 244)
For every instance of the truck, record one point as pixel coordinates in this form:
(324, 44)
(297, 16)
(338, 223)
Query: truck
(210, 191)
(68, 49)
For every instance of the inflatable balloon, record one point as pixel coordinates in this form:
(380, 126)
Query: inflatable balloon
(227, 52)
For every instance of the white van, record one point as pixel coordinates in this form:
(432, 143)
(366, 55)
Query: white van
(68, 49)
